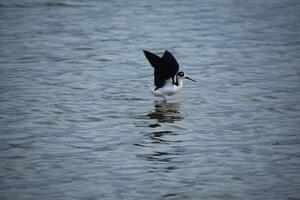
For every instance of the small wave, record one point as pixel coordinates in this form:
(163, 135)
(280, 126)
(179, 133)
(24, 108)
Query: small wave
(43, 4)
(123, 97)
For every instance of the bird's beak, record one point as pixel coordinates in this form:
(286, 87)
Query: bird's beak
(190, 79)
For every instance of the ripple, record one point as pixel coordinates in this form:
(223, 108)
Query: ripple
(83, 48)
(122, 97)
(44, 4)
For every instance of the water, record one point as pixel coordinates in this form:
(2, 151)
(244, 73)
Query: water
(77, 122)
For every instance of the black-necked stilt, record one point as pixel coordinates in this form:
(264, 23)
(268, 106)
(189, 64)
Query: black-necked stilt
(167, 79)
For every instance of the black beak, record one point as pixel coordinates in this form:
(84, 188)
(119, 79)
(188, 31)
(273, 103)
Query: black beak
(190, 79)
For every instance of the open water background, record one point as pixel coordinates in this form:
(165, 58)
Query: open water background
(76, 120)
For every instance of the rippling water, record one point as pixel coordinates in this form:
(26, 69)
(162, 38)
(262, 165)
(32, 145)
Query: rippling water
(76, 120)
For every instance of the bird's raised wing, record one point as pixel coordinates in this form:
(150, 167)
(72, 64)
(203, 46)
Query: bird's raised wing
(172, 62)
(164, 68)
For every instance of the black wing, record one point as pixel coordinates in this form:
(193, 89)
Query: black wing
(172, 62)
(164, 68)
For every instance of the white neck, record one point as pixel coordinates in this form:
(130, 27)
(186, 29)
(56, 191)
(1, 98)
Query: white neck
(179, 81)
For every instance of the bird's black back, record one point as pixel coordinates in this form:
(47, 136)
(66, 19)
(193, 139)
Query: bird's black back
(165, 67)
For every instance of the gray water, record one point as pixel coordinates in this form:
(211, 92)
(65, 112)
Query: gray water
(77, 121)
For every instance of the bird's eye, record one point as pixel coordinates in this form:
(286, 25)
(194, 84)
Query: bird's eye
(181, 74)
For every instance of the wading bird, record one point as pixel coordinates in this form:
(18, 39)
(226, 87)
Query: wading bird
(167, 77)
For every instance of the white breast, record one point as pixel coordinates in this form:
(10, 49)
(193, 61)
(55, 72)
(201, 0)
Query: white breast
(168, 89)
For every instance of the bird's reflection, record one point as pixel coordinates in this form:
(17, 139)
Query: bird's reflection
(165, 112)
(161, 142)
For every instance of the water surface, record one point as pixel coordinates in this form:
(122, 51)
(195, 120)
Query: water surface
(77, 122)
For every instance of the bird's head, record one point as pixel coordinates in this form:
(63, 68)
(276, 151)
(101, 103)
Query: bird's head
(182, 75)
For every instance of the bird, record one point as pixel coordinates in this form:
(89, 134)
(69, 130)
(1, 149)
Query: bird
(168, 80)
